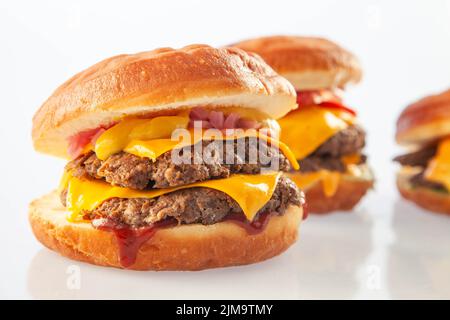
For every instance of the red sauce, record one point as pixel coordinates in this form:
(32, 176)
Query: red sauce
(254, 227)
(336, 105)
(305, 211)
(130, 240)
(323, 98)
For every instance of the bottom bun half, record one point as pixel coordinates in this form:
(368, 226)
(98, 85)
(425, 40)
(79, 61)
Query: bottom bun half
(185, 247)
(426, 198)
(350, 189)
(348, 194)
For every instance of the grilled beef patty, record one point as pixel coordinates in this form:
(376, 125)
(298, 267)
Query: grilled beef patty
(347, 141)
(420, 158)
(130, 171)
(194, 205)
(316, 163)
(329, 155)
(419, 180)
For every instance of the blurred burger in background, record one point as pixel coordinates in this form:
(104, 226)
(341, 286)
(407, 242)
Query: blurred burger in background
(424, 127)
(323, 132)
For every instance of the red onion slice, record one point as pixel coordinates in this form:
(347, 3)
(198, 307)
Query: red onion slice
(216, 118)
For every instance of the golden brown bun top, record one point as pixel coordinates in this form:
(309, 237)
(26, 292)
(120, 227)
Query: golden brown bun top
(309, 63)
(155, 82)
(425, 121)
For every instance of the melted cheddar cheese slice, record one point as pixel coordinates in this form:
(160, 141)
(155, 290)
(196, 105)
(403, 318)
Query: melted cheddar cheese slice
(351, 159)
(328, 179)
(251, 192)
(148, 138)
(306, 128)
(116, 138)
(438, 169)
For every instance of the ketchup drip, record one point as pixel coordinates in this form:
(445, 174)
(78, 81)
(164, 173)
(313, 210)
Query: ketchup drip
(256, 226)
(129, 239)
(305, 211)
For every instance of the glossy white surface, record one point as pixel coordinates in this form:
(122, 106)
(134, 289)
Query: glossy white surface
(401, 254)
(386, 248)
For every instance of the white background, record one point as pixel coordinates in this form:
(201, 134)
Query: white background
(385, 249)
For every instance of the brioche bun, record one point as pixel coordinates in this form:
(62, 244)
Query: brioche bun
(424, 197)
(349, 192)
(158, 82)
(308, 63)
(425, 121)
(185, 247)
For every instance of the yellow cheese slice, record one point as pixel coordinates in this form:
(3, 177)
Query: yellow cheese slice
(438, 169)
(251, 192)
(306, 128)
(116, 138)
(151, 149)
(328, 179)
(151, 138)
(351, 159)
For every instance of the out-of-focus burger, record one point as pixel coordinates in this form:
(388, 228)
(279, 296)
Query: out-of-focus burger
(323, 133)
(424, 127)
(175, 162)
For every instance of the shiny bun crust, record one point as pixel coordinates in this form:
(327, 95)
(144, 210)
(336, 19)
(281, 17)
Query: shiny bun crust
(186, 247)
(426, 198)
(425, 120)
(308, 63)
(156, 82)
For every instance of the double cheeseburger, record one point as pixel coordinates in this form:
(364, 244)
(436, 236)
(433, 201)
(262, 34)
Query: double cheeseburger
(323, 133)
(175, 162)
(424, 127)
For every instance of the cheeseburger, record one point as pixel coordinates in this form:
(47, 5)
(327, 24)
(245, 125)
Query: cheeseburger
(424, 127)
(174, 162)
(323, 133)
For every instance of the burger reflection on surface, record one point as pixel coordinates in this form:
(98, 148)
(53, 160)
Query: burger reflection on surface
(419, 259)
(333, 250)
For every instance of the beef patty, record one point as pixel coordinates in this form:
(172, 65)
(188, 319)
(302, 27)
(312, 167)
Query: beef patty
(329, 155)
(315, 163)
(419, 180)
(347, 141)
(195, 205)
(130, 171)
(420, 159)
